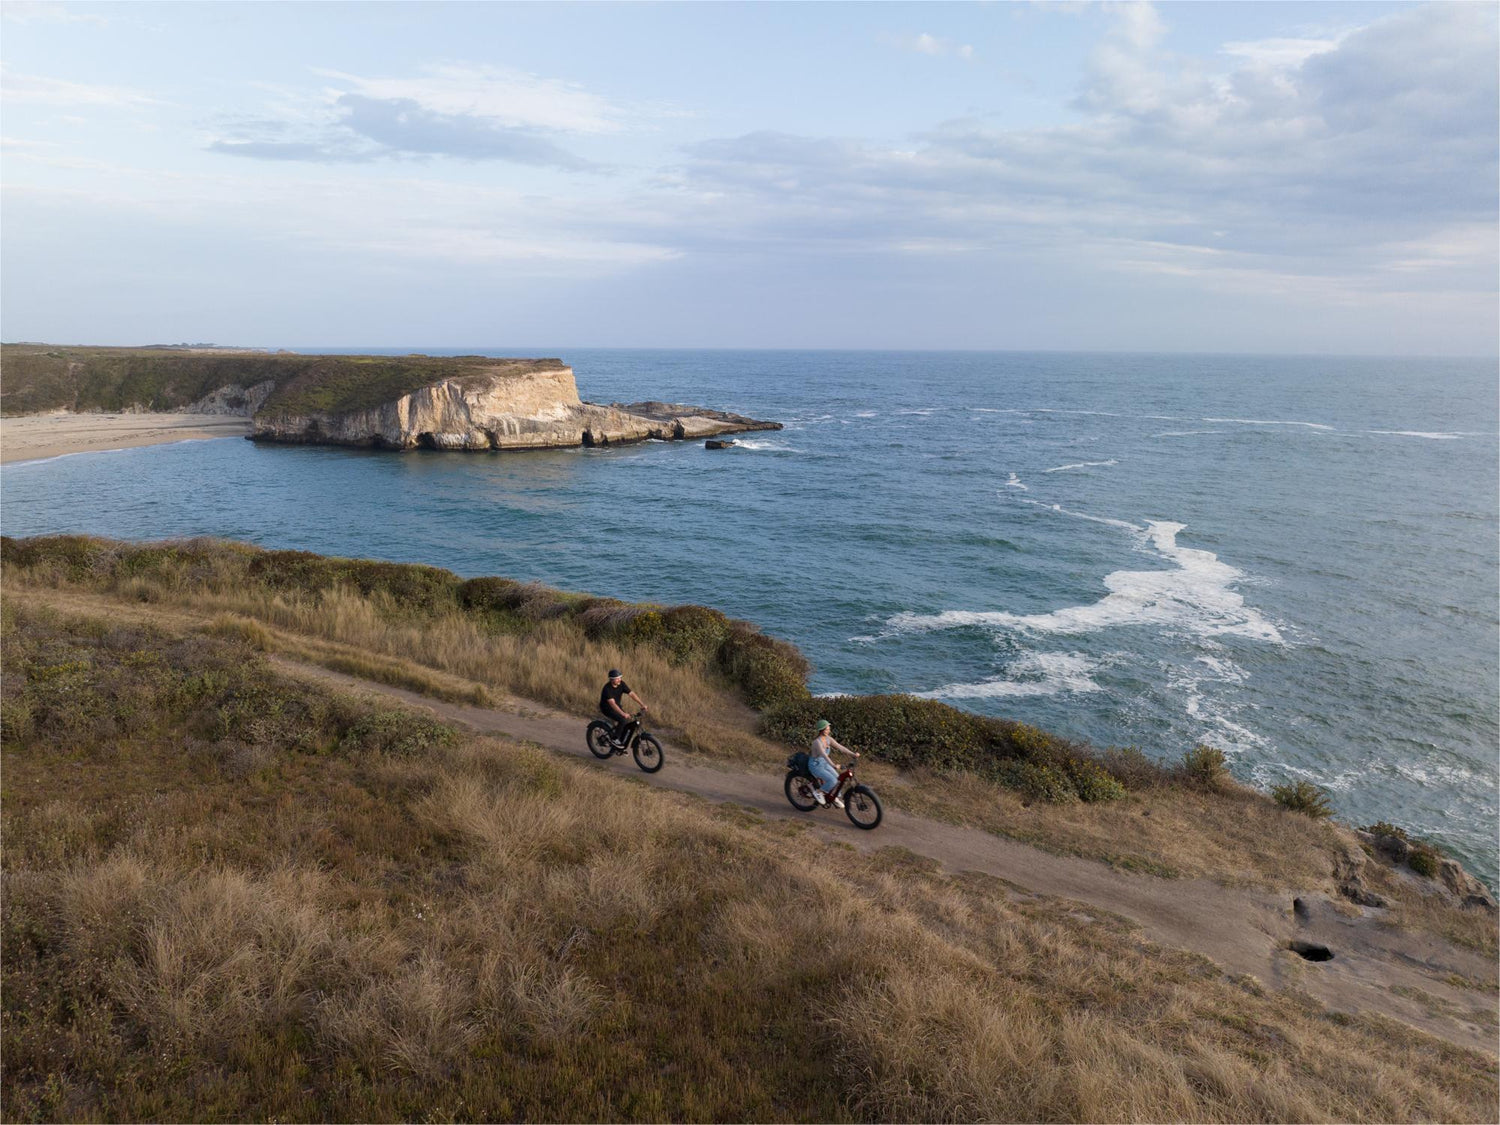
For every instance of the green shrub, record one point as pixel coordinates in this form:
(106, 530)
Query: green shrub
(692, 634)
(1038, 781)
(411, 585)
(1383, 828)
(77, 557)
(489, 595)
(1205, 767)
(1424, 860)
(1303, 797)
(907, 731)
(770, 672)
(400, 733)
(900, 729)
(1091, 782)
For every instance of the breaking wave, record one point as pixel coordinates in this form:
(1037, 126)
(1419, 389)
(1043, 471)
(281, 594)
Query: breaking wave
(1193, 596)
(1081, 465)
(1039, 673)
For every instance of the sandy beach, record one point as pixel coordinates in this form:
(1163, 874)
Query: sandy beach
(30, 437)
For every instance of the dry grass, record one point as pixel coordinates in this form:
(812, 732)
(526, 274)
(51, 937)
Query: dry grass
(1216, 829)
(382, 923)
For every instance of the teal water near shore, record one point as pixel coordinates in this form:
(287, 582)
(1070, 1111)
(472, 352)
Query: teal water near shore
(1294, 559)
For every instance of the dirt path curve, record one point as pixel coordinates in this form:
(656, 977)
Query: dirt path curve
(1243, 931)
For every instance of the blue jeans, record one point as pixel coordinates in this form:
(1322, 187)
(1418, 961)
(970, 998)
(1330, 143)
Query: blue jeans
(822, 769)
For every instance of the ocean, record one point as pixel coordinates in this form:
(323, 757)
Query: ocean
(1293, 559)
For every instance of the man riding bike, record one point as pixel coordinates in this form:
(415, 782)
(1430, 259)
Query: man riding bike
(821, 767)
(615, 690)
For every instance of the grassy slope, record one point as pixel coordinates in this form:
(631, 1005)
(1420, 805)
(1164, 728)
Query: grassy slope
(229, 895)
(40, 377)
(422, 628)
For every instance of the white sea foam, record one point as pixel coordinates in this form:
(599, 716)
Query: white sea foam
(1186, 433)
(1015, 482)
(763, 446)
(1194, 596)
(1081, 465)
(1093, 413)
(865, 413)
(1265, 422)
(1418, 433)
(1217, 716)
(923, 413)
(1433, 774)
(1083, 515)
(1039, 673)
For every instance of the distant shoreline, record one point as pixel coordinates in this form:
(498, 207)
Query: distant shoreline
(34, 437)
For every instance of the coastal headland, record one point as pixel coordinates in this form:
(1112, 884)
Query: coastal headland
(317, 831)
(459, 403)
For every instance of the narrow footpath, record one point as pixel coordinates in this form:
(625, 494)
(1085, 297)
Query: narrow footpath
(1374, 968)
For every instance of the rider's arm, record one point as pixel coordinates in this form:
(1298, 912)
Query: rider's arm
(639, 700)
(841, 746)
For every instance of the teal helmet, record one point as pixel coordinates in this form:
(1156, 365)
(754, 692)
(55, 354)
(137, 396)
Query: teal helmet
(822, 725)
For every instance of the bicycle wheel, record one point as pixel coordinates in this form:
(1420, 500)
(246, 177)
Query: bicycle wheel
(598, 739)
(863, 807)
(799, 791)
(647, 752)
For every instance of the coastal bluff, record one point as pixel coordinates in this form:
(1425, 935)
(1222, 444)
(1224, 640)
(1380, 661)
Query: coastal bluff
(462, 403)
(510, 404)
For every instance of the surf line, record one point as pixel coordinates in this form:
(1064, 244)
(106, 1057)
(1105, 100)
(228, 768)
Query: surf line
(1194, 596)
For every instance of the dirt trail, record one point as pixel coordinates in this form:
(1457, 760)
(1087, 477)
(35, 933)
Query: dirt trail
(1374, 968)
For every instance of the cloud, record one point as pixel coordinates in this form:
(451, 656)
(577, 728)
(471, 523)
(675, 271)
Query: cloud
(504, 97)
(292, 150)
(925, 44)
(468, 113)
(34, 11)
(38, 90)
(1338, 156)
(403, 125)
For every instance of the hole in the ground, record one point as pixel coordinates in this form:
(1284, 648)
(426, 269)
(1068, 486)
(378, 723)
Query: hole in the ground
(1299, 908)
(1310, 951)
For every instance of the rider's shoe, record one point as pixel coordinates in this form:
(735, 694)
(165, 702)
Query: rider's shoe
(838, 802)
(818, 796)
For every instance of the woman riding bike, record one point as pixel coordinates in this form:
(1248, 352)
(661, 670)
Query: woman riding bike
(822, 767)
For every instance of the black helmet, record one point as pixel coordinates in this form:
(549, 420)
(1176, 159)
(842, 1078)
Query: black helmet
(614, 673)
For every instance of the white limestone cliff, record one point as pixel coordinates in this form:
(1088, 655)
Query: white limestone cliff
(499, 409)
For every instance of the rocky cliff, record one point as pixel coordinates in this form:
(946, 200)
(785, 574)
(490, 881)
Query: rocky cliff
(511, 405)
(387, 402)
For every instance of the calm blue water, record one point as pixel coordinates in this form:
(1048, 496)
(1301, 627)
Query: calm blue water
(1292, 559)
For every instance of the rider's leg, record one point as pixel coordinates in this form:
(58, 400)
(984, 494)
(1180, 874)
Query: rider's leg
(622, 723)
(822, 769)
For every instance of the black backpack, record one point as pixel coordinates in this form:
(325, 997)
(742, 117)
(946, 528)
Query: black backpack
(797, 763)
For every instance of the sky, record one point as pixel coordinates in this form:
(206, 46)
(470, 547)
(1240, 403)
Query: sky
(1179, 177)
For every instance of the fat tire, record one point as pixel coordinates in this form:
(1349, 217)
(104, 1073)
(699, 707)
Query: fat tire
(865, 798)
(654, 759)
(597, 738)
(793, 786)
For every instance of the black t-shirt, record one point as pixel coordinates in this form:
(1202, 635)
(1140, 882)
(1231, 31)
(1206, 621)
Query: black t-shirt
(612, 694)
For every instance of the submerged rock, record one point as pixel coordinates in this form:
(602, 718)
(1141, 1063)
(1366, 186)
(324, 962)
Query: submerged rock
(715, 444)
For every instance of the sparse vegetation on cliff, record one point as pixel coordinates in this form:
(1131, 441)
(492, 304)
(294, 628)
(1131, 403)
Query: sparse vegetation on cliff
(229, 895)
(44, 377)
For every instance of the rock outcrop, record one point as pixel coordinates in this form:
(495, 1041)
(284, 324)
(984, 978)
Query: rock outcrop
(233, 400)
(515, 406)
(1446, 874)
